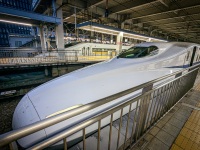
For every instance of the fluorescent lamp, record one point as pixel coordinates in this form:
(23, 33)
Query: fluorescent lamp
(99, 31)
(158, 40)
(115, 32)
(25, 24)
(106, 29)
(136, 37)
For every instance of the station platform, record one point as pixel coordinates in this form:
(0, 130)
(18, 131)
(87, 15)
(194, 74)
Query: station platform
(179, 129)
(48, 61)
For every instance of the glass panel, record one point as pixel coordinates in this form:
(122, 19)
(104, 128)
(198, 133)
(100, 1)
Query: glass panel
(137, 52)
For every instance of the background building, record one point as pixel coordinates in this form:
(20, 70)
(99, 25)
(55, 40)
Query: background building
(14, 35)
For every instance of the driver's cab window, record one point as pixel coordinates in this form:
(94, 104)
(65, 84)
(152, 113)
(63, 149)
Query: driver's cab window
(188, 56)
(137, 52)
(152, 48)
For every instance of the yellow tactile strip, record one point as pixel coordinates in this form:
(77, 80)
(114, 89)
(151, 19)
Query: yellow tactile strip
(197, 87)
(189, 137)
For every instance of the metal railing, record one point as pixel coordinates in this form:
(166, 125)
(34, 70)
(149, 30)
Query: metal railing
(124, 123)
(23, 57)
(17, 53)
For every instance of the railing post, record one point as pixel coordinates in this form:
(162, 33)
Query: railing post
(144, 105)
(195, 73)
(177, 91)
(13, 146)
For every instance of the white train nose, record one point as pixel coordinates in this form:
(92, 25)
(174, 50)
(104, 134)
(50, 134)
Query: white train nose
(26, 114)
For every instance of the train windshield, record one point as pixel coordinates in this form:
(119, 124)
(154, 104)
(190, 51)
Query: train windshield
(137, 52)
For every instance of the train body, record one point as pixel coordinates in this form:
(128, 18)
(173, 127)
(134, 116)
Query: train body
(97, 49)
(137, 65)
(86, 49)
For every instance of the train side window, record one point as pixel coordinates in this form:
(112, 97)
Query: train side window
(188, 55)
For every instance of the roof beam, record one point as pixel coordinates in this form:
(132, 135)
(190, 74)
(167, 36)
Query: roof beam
(184, 31)
(176, 22)
(169, 18)
(96, 3)
(158, 12)
(164, 2)
(122, 7)
(24, 16)
(181, 28)
(92, 8)
(77, 4)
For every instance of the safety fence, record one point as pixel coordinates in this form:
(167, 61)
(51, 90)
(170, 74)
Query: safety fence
(22, 57)
(16, 53)
(120, 126)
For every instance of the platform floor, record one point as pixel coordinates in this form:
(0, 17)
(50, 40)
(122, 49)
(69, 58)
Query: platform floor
(179, 129)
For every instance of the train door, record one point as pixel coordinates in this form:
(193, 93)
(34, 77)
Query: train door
(193, 55)
(88, 51)
(83, 51)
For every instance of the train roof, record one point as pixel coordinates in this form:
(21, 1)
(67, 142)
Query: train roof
(165, 45)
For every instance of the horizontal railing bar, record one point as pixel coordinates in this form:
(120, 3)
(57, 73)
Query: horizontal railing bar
(33, 50)
(66, 133)
(37, 126)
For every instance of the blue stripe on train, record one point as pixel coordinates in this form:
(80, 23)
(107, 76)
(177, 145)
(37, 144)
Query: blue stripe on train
(182, 66)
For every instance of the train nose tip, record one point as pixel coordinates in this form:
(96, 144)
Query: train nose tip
(26, 114)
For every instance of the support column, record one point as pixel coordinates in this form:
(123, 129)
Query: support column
(111, 38)
(59, 28)
(66, 35)
(102, 38)
(77, 34)
(48, 45)
(42, 39)
(91, 36)
(122, 25)
(97, 37)
(75, 22)
(119, 42)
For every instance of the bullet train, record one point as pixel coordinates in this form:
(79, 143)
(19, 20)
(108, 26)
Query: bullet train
(137, 65)
(96, 48)
(89, 49)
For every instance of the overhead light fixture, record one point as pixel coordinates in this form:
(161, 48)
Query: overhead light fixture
(158, 40)
(107, 30)
(13, 22)
(99, 31)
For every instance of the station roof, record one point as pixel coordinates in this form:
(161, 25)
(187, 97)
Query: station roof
(92, 26)
(16, 15)
(167, 19)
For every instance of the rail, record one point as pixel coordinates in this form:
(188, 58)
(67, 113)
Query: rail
(141, 113)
